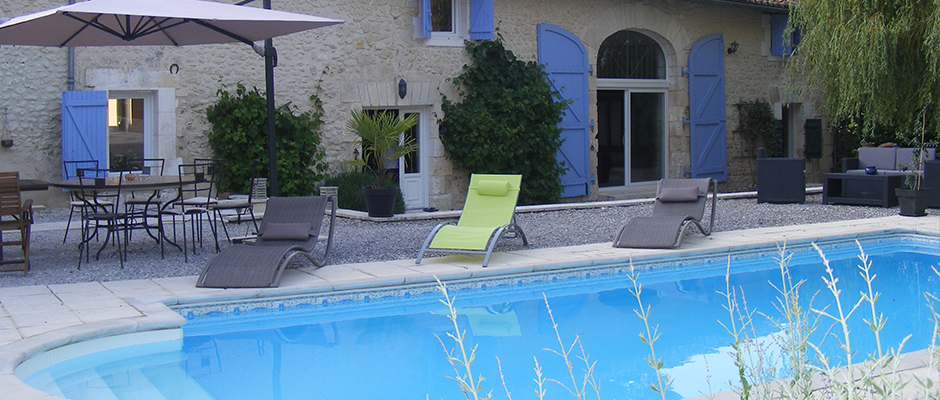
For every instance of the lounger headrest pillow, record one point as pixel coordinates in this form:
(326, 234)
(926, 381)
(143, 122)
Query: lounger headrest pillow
(492, 188)
(285, 231)
(676, 195)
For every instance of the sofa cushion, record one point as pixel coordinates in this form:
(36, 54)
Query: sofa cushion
(883, 158)
(905, 157)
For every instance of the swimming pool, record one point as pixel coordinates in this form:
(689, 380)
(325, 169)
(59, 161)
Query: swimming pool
(372, 344)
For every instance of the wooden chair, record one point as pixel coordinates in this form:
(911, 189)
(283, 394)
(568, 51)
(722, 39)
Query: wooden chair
(14, 216)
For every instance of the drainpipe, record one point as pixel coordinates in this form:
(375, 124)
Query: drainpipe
(70, 79)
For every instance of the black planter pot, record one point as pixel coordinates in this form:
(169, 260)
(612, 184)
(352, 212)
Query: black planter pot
(380, 202)
(913, 203)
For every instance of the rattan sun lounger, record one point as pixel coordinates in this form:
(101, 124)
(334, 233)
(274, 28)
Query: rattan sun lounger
(488, 215)
(680, 203)
(290, 228)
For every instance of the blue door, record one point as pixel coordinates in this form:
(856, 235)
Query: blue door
(709, 154)
(565, 60)
(85, 126)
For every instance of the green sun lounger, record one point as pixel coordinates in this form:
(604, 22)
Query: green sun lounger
(488, 215)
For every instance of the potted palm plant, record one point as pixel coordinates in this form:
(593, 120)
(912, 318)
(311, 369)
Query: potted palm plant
(379, 136)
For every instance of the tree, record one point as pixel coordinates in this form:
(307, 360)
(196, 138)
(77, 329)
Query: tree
(876, 62)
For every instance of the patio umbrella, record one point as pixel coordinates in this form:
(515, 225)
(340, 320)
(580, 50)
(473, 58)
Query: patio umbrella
(166, 23)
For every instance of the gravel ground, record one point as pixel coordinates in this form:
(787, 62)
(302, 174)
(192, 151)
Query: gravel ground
(359, 241)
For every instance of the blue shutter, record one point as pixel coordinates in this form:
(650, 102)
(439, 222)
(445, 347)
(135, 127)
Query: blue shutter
(709, 154)
(481, 19)
(565, 60)
(425, 16)
(778, 24)
(85, 126)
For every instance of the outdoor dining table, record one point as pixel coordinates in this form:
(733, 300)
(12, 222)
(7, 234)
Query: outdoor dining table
(33, 184)
(140, 183)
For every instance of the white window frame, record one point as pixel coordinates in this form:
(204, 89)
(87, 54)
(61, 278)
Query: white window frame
(149, 135)
(461, 26)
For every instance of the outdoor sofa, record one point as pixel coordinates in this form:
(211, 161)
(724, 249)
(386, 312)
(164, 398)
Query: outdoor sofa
(889, 160)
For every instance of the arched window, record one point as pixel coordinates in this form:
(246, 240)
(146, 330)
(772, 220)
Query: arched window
(631, 55)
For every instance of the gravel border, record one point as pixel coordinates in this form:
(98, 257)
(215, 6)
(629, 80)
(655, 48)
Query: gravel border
(362, 241)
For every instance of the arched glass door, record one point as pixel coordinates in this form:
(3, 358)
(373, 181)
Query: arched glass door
(631, 108)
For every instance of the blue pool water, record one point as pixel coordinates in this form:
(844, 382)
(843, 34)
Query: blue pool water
(382, 345)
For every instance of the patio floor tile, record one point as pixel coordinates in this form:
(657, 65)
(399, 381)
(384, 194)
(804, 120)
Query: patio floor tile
(134, 288)
(9, 335)
(103, 314)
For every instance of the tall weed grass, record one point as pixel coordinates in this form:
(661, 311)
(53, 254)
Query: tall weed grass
(792, 367)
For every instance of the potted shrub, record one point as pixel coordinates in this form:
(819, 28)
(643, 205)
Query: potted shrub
(379, 135)
(912, 198)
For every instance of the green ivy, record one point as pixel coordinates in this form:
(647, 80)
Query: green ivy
(506, 121)
(239, 137)
(756, 122)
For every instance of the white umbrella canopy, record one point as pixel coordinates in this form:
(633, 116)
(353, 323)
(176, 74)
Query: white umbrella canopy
(153, 22)
(167, 23)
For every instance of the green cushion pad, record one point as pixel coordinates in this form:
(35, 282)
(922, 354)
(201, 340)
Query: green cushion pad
(492, 188)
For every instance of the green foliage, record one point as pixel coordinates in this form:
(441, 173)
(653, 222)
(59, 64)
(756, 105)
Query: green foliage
(349, 190)
(756, 122)
(875, 62)
(381, 133)
(239, 137)
(848, 136)
(506, 122)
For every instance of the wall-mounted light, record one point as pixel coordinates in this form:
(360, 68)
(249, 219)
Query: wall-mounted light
(734, 48)
(402, 88)
(5, 140)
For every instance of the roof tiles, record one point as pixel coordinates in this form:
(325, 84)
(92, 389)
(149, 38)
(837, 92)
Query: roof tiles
(767, 3)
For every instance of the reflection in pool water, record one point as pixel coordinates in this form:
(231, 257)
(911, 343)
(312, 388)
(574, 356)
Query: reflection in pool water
(385, 347)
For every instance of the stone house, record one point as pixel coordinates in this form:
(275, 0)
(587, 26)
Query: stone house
(653, 86)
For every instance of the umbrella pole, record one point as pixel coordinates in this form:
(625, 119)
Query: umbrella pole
(269, 92)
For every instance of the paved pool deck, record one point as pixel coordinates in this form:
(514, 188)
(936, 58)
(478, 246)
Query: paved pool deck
(37, 319)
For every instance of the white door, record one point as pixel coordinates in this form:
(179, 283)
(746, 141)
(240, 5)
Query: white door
(413, 174)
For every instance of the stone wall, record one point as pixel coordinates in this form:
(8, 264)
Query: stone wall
(359, 63)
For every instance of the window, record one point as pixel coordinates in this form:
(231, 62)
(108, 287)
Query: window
(450, 22)
(104, 124)
(442, 16)
(125, 130)
(782, 44)
(630, 55)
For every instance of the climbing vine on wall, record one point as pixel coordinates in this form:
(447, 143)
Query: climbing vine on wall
(756, 124)
(506, 121)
